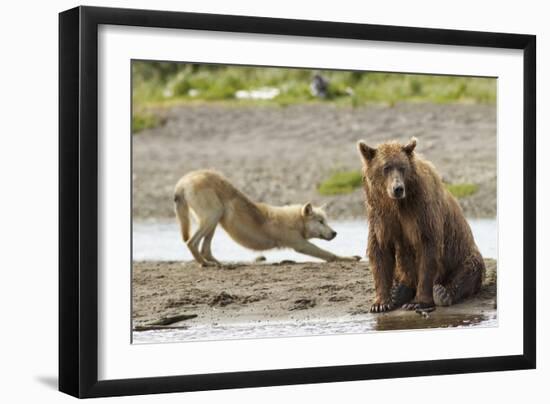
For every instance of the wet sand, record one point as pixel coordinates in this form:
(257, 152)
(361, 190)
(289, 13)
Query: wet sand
(280, 155)
(256, 292)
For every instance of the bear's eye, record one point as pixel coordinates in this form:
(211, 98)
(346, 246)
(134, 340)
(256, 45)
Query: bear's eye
(387, 169)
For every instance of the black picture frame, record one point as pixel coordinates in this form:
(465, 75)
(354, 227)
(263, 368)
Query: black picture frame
(78, 201)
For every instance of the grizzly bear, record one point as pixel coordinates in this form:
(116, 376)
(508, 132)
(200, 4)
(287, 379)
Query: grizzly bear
(420, 246)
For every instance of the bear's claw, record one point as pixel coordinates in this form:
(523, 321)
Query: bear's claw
(419, 306)
(381, 307)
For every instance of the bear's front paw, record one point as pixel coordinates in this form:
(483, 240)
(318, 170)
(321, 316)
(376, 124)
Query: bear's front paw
(419, 306)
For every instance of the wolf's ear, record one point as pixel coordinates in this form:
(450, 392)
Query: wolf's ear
(307, 209)
(366, 152)
(409, 147)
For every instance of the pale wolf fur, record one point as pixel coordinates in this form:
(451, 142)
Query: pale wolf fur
(258, 226)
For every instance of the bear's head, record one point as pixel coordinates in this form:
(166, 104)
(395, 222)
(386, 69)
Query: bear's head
(388, 167)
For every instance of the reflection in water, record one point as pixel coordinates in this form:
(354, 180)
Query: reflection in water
(432, 320)
(302, 328)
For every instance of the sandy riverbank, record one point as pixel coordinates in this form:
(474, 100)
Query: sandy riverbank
(256, 292)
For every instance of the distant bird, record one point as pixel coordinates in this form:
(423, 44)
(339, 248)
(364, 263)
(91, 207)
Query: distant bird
(319, 86)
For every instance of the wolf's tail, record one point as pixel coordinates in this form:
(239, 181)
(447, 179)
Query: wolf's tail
(182, 213)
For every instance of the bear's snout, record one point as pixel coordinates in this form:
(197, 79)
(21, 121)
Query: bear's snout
(396, 190)
(399, 191)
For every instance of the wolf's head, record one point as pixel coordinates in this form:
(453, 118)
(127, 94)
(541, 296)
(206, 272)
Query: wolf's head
(315, 220)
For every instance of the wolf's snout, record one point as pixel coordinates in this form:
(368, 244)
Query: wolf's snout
(399, 191)
(332, 235)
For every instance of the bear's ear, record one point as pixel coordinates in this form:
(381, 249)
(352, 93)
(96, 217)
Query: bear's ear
(307, 209)
(365, 151)
(409, 147)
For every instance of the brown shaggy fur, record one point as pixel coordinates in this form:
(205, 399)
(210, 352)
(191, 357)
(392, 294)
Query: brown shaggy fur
(420, 246)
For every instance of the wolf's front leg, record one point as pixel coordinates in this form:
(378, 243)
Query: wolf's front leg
(305, 247)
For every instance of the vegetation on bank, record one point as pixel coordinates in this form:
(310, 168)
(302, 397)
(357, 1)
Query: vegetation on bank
(144, 120)
(157, 84)
(339, 183)
(345, 182)
(462, 190)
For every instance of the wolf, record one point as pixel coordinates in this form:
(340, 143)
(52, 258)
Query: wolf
(258, 226)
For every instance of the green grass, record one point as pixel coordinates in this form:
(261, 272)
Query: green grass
(160, 83)
(345, 182)
(342, 182)
(462, 190)
(144, 120)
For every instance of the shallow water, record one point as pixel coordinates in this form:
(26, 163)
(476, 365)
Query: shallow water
(161, 241)
(301, 328)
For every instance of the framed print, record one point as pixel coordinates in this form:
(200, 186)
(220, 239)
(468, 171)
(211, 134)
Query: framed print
(251, 201)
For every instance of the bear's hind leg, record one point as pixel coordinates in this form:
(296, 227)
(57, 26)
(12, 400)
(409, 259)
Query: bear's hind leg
(401, 294)
(442, 295)
(464, 283)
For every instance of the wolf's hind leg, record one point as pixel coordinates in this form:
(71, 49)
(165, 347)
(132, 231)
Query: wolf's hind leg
(206, 248)
(464, 283)
(194, 242)
(208, 210)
